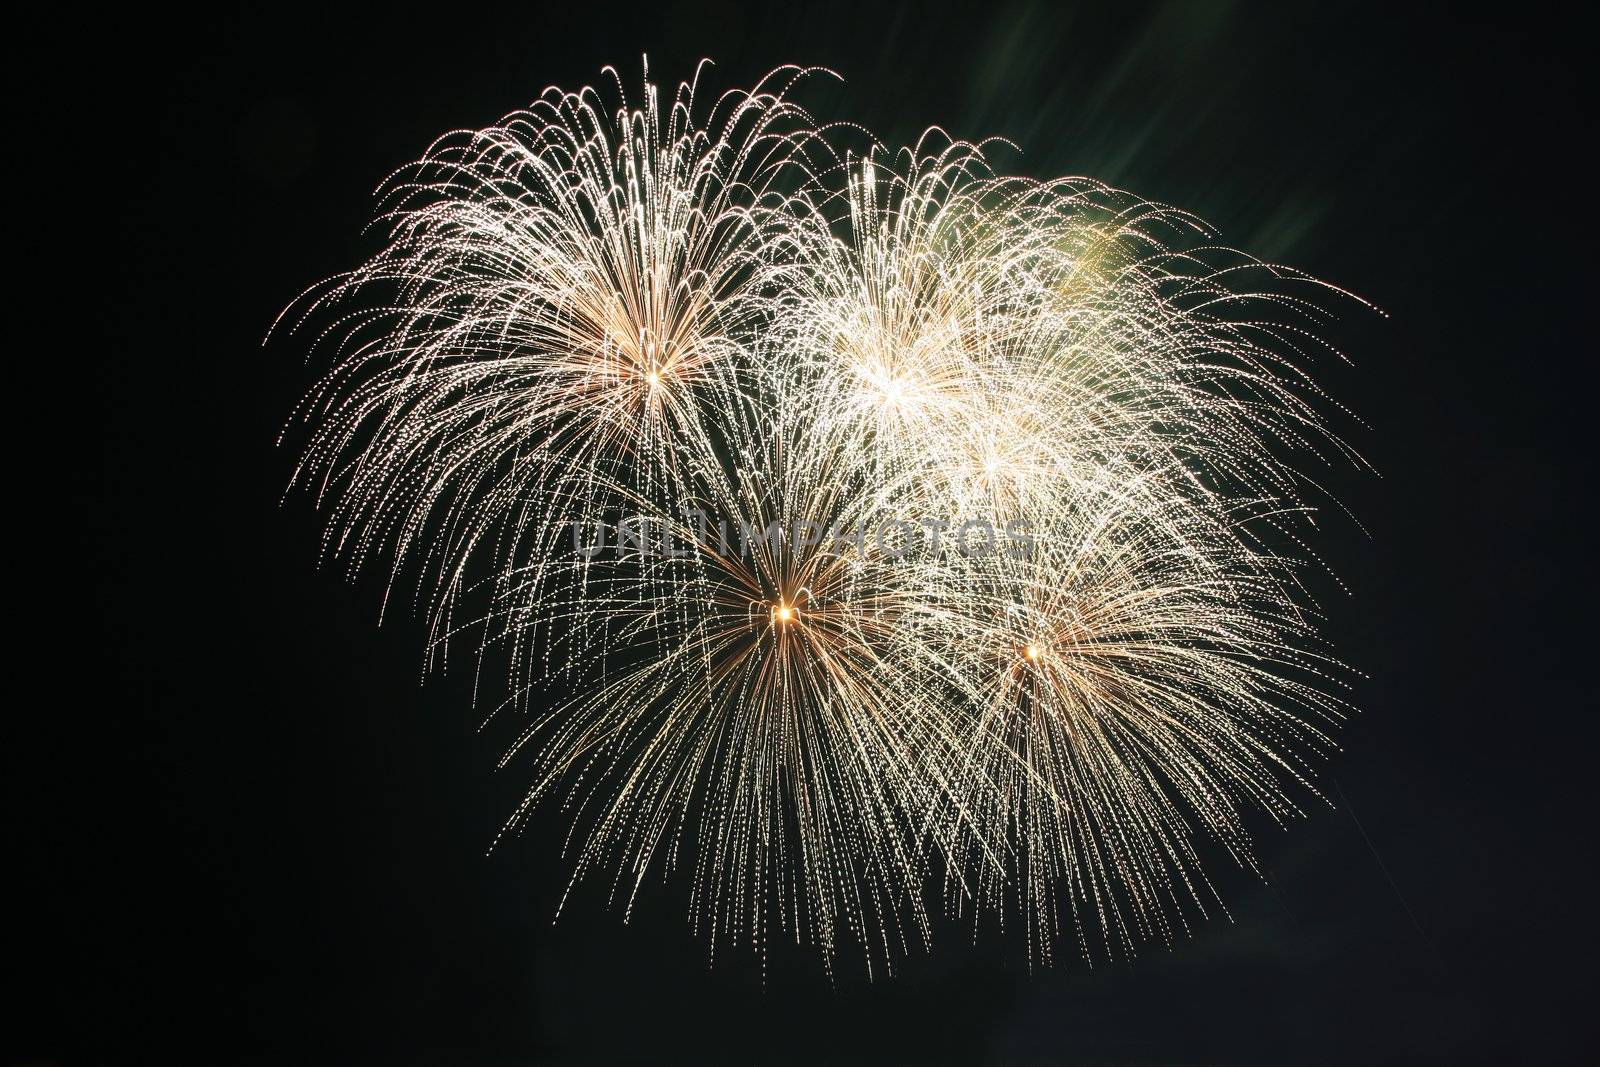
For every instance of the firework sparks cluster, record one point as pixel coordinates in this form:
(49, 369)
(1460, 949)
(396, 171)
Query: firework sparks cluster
(722, 315)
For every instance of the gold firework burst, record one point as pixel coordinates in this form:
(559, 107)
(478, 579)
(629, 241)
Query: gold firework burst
(1077, 658)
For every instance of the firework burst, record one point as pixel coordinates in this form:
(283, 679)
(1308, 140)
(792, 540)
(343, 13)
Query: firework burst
(559, 309)
(749, 352)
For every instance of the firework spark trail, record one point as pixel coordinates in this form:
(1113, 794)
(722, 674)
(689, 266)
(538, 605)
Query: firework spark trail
(673, 316)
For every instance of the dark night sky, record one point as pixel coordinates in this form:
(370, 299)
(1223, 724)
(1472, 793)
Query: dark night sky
(243, 832)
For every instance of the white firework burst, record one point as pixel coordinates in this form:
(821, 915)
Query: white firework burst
(720, 328)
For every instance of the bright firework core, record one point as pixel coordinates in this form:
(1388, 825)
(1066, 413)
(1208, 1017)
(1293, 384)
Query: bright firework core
(636, 316)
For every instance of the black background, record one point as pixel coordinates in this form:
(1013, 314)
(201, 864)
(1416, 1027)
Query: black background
(244, 832)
